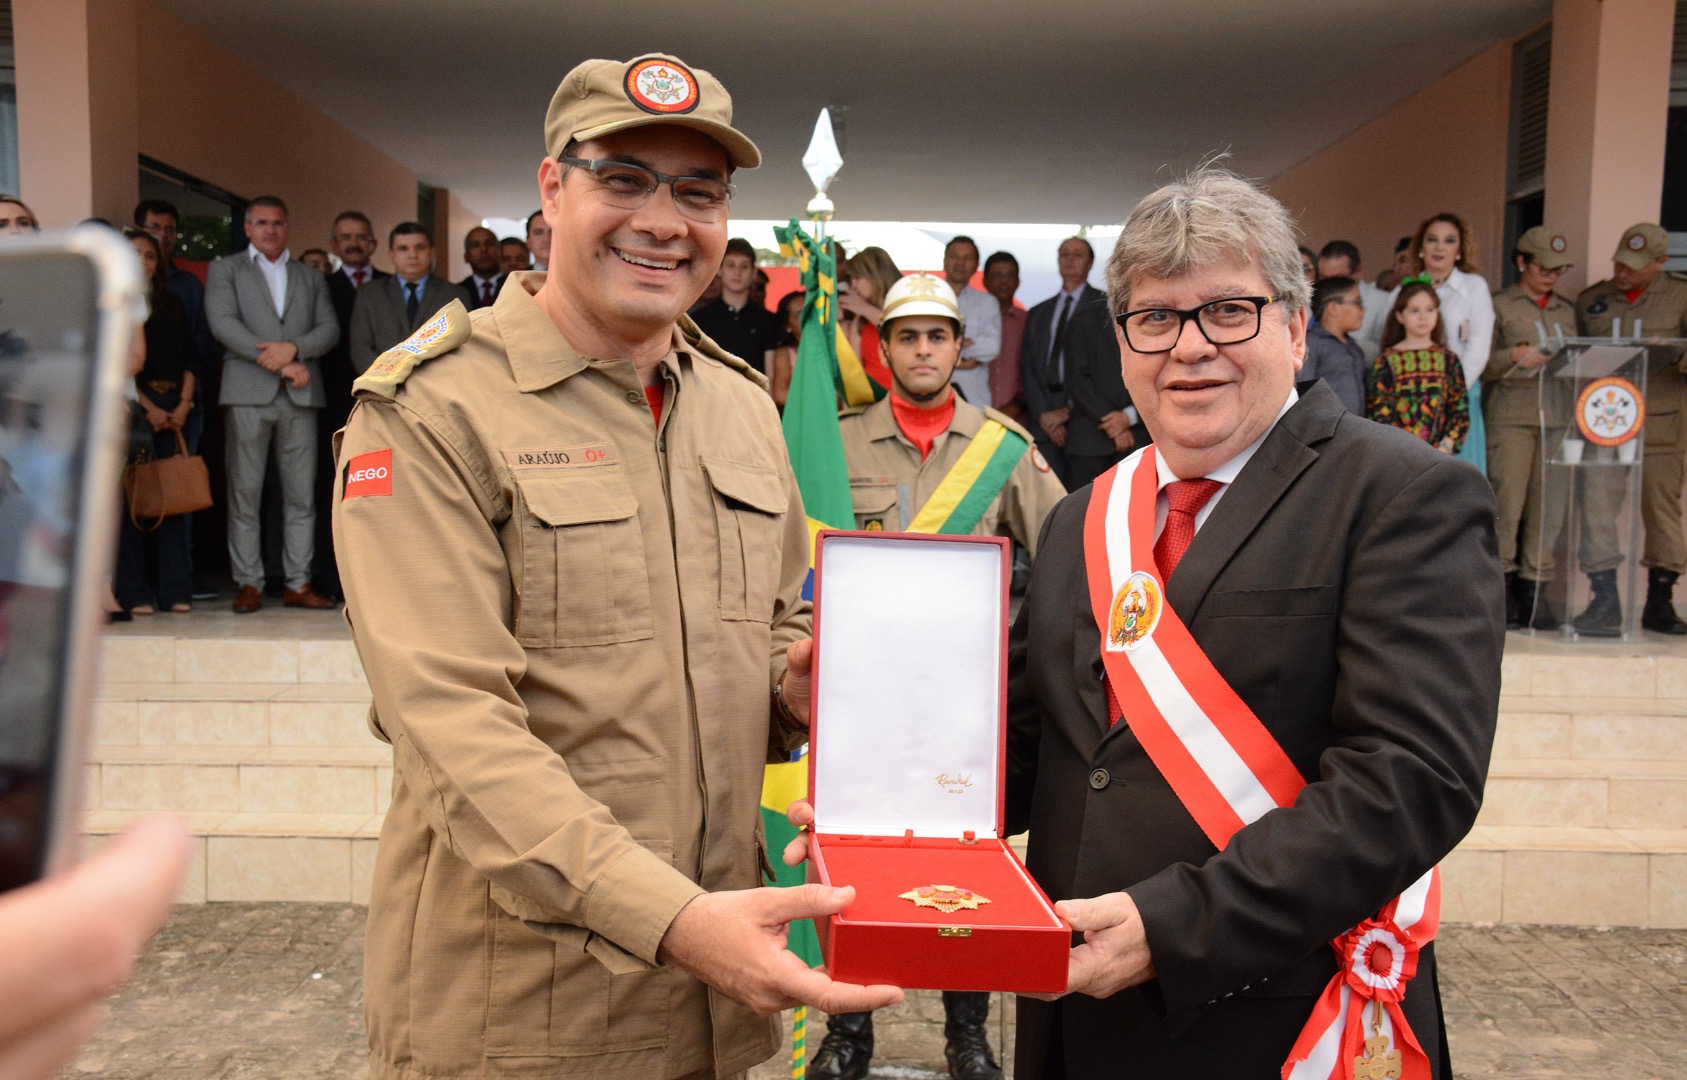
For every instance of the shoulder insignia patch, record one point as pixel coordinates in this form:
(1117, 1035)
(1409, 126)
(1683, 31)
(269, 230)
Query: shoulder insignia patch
(704, 344)
(440, 334)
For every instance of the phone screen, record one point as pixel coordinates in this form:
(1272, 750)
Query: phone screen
(49, 366)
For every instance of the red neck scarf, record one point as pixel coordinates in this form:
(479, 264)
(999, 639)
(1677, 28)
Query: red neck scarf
(923, 426)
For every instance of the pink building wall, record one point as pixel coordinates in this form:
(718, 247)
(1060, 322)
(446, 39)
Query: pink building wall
(205, 111)
(1443, 148)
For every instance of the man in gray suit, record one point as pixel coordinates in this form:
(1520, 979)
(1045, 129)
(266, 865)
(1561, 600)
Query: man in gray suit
(274, 318)
(390, 310)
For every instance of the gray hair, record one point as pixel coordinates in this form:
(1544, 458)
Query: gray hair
(1209, 216)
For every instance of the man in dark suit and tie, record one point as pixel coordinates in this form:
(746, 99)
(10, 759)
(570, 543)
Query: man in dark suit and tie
(1252, 689)
(1081, 413)
(394, 308)
(274, 320)
(480, 251)
(353, 240)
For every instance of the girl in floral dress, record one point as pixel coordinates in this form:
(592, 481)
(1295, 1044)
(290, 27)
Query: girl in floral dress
(1416, 383)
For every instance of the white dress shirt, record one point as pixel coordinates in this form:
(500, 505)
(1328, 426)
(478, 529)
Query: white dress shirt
(1224, 474)
(983, 315)
(276, 274)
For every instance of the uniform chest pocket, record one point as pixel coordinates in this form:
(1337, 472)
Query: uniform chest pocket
(583, 580)
(750, 504)
(875, 507)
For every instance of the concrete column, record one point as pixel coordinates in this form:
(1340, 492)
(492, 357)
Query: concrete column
(78, 113)
(1606, 122)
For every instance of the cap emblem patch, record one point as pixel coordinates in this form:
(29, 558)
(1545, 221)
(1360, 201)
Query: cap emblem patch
(1559, 245)
(1637, 242)
(661, 86)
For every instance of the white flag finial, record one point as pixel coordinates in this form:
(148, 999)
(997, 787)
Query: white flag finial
(822, 161)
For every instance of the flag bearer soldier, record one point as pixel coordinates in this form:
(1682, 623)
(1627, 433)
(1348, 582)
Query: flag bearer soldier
(1515, 397)
(922, 460)
(1638, 289)
(566, 879)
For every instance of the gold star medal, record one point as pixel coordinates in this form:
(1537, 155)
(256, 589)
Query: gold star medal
(945, 898)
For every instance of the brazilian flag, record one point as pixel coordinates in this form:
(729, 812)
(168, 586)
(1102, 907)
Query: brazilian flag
(815, 445)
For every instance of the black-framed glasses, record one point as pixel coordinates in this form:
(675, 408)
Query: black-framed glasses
(1227, 321)
(629, 186)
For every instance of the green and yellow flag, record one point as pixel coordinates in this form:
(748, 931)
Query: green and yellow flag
(816, 448)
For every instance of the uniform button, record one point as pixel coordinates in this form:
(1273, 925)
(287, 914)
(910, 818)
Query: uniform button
(1099, 779)
(635, 397)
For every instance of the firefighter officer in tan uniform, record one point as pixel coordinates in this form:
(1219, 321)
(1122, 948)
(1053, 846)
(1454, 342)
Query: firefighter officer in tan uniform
(1529, 495)
(573, 554)
(923, 460)
(1638, 289)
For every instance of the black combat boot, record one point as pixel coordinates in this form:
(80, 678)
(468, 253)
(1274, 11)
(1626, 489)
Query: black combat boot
(1514, 615)
(847, 1050)
(1603, 616)
(1514, 603)
(968, 1050)
(1659, 612)
(1537, 613)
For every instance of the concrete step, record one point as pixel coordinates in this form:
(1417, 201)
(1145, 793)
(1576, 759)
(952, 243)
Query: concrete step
(1598, 793)
(1591, 728)
(241, 779)
(1568, 875)
(233, 714)
(135, 659)
(1591, 671)
(318, 857)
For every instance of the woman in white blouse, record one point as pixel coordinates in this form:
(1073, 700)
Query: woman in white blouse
(1444, 252)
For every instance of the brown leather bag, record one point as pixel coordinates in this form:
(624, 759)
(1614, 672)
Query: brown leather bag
(163, 487)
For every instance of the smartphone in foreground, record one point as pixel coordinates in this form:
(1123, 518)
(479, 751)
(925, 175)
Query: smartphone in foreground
(69, 307)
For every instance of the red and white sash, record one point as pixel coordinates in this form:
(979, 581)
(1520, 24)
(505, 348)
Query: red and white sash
(1228, 771)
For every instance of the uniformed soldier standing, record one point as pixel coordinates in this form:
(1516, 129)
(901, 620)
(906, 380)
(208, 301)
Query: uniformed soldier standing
(1638, 289)
(1515, 397)
(573, 554)
(923, 460)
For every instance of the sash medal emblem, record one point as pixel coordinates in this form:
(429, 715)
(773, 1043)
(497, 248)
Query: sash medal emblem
(1136, 611)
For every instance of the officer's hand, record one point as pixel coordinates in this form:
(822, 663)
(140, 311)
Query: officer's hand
(735, 942)
(800, 814)
(1531, 359)
(297, 376)
(67, 943)
(799, 662)
(1115, 952)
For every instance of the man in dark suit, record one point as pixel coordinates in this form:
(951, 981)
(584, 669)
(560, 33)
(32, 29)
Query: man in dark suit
(393, 308)
(274, 320)
(480, 251)
(353, 240)
(1308, 669)
(1081, 413)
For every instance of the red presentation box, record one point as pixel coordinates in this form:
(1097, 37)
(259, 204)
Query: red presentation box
(907, 772)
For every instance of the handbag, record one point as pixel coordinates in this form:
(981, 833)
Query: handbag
(164, 487)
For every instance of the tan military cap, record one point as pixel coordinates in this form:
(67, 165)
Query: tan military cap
(603, 96)
(1641, 246)
(1547, 247)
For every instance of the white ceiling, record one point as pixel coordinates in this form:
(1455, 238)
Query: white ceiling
(983, 110)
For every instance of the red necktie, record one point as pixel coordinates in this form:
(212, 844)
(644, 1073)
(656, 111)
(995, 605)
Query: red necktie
(1186, 497)
(357, 277)
(486, 294)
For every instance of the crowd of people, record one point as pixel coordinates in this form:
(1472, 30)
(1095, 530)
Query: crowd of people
(1409, 347)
